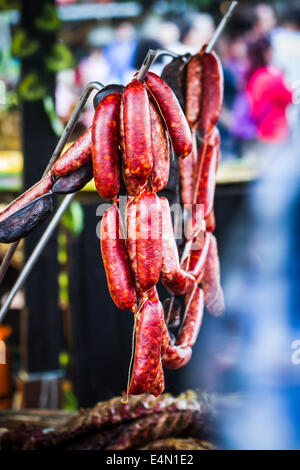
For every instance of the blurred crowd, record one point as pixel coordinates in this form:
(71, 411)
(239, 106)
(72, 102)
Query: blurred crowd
(261, 58)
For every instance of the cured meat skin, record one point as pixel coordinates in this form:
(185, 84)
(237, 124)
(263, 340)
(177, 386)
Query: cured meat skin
(148, 239)
(160, 148)
(146, 371)
(115, 259)
(25, 220)
(105, 146)
(137, 129)
(173, 277)
(172, 113)
(75, 156)
(193, 319)
(75, 181)
(213, 294)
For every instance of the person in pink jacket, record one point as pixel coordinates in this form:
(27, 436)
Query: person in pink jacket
(268, 95)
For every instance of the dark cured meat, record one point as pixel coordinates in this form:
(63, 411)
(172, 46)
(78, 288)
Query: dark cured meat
(40, 188)
(174, 75)
(25, 220)
(75, 181)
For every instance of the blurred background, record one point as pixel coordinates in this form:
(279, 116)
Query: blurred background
(67, 345)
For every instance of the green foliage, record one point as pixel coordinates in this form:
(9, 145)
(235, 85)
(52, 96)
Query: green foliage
(55, 122)
(60, 58)
(73, 218)
(32, 88)
(48, 20)
(22, 45)
(9, 5)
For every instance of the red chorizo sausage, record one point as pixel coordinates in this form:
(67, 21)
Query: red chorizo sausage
(76, 156)
(172, 114)
(187, 171)
(172, 276)
(137, 129)
(40, 188)
(194, 302)
(160, 147)
(195, 262)
(146, 371)
(194, 77)
(213, 294)
(105, 146)
(132, 183)
(131, 243)
(176, 357)
(212, 93)
(210, 222)
(148, 239)
(207, 184)
(115, 260)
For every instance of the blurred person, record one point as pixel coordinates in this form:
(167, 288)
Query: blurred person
(268, 94)
(195, 32)
(120, 53)
(286, 45)
(266, 20)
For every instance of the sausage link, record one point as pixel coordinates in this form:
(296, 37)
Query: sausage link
(160, 147)
(137, 129)
(146, 371)
(195, 262)
(115, 259)
(212, 93)
(176, 357)
(207, 186)
(76, 156)
(105, 146)
(172, 114)
(210, 222)
(148, 239)
(187, 169)
(194, 76)
(213, 294)
(131, 243)
(193, 319)
(40, 188)
(172, 276)
(174, 75)
(132, 183)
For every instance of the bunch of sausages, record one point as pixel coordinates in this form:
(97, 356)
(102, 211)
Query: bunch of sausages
(134, 131)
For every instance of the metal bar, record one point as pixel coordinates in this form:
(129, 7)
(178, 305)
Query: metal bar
(35, 254)
(221, 27)
(57, 151)
(148, 61)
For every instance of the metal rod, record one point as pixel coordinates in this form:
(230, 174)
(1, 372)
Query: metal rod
(57, 151)
(221, 27)
(35, 254)
(148, 61)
